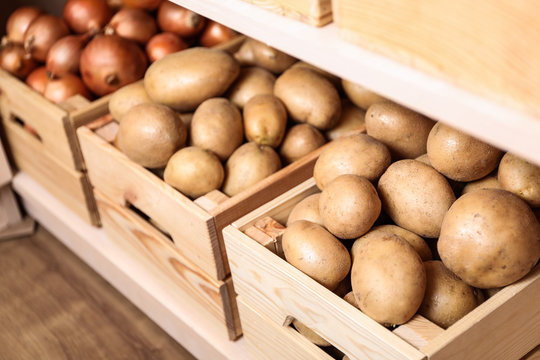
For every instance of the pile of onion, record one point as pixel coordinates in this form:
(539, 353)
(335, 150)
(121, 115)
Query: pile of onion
(85, 16)
(14, 59)
(42, 33)
(19, 21)
(133, 24)
(179, 20)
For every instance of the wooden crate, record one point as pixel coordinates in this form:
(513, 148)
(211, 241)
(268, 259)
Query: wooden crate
(208, 298)
(5, 170)
(30, 154)
(482, 46)
(506, 326)
(312, 12)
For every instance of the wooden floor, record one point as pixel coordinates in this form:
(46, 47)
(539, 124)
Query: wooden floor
(53, 306)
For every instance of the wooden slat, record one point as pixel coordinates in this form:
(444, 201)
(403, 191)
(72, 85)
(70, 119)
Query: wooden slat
(313, 12)
(418, 331)
(211, 298)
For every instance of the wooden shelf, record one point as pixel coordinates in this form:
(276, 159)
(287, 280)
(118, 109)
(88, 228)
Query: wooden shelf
(503, 127)
(122, 271)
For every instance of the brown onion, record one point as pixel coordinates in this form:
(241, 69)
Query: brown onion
(215, 34)
(64, 56)
(181, 21)
(37, 79)
(109, 62)
(62, 88)
(14, 59)
(143, 4)
(115, 4)
(164, 44)
(87, 15)
(42, 33)
(133, 24)
(19, 21)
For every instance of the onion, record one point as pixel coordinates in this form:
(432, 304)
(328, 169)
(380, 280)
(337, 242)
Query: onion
(164, 44)
(87, 15)
(65, 54)
(181, 21)
(37, 79)
(215, 34)
(42, 33)
(133, 24)
(143, 4)
(19, 21)
(115, 4)
(14, 59)
(109, 62)
(60, 89)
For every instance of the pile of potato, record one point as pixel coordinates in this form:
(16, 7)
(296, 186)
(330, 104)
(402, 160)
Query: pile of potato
(215, 120)
(416, 217)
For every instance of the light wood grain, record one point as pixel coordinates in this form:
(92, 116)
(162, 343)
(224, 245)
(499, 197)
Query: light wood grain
(211, 298)
(312, 12)
(418, 331)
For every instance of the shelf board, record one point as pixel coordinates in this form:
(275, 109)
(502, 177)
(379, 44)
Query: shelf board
(121, 269)
(503, 127)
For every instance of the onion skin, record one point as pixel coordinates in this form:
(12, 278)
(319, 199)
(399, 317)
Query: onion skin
(215, 34)
(179, 20)
(38, 79)
(85, 16)
(133, 24)
(64, 56)
(61, 89)
(41, 35)
(164, 44)
(19, 21)
(109, 62)
(13, 58)
(143, 4)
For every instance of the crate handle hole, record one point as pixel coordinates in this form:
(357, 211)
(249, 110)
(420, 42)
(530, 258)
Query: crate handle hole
(314, 338)
(26, 127)
(156, 225)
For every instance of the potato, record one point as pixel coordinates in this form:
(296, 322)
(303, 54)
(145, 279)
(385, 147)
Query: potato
(309, 97)
(183, 80)
(488, 182)
(349, 206)
(150, 134)
(310, 334)
(217, 126)
(194, 171)
(265, 120)
(336, 81)
(489, 238)
(447, 298)
(359, 95)
(459, 156)
(424, 158)
(414, 240)
(254, 52)
(521, 178)
(388, 279)
(357, 154)
(251, 81)
(248, 165)
(299, 141)
(306, 209)
(349, 297)
(313, 250)
(351, 121)
(415, 196)
(127, 97)
(403, 130)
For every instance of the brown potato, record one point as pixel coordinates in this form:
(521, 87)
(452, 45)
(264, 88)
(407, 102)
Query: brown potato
(415, 196)
(265, 120)
(127, 97)
(217, 126)
(351, 121)
(349, 297)
(459, 156)
(332, 78)
(447, 298)
(489, 238)
(150, 134)
(299, 141)
(521, 178)
(251, 81)
(357, 154)
(254, 52)
(424, 158)
(403, 130)
(309, 97)
(183, 80)
(313, 250)
(248, 165)
(194, 171)
(349, 206)
(388, 279)
(306, 209)
(359, 95)
(488, 182)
